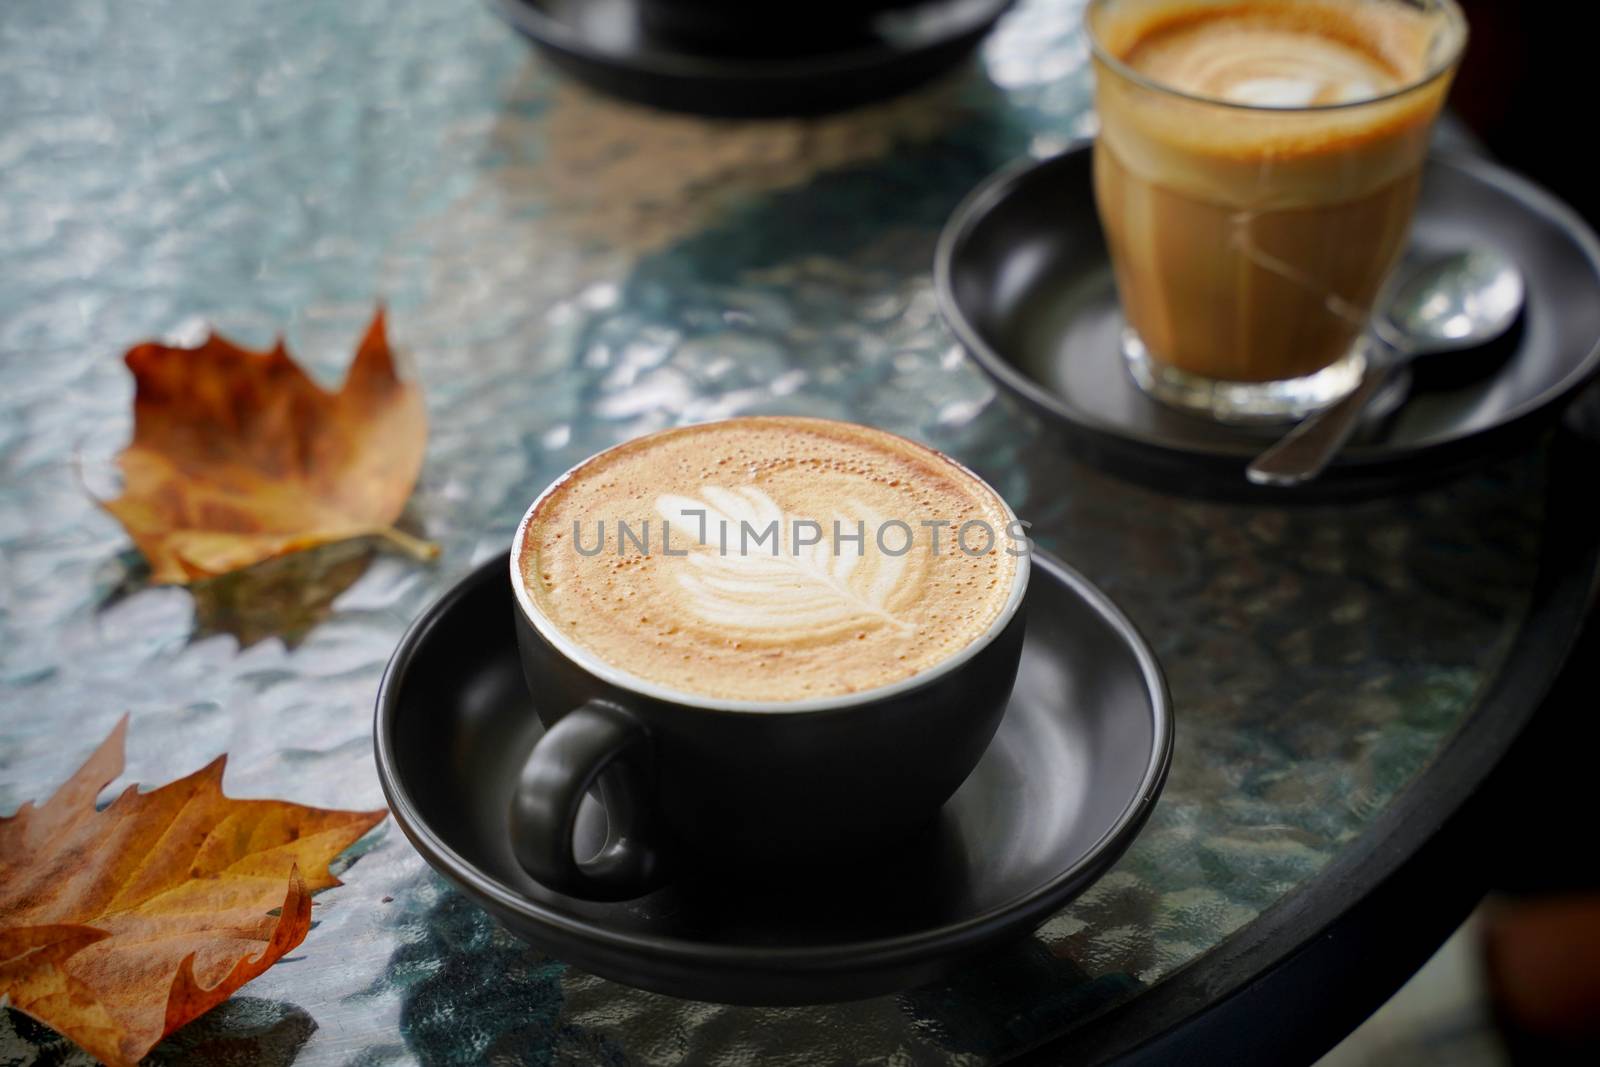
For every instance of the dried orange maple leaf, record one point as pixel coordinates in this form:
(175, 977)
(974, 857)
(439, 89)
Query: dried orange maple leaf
(119, 926)
(238, 456)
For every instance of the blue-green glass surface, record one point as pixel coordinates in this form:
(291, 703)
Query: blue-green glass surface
(566, 272)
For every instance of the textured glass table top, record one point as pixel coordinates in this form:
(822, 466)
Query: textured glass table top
(565, 273)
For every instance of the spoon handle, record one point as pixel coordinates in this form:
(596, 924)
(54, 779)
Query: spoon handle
(1305, 451)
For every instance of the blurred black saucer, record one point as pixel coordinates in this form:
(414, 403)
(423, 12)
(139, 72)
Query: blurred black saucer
(721, 58)
(1025, 282)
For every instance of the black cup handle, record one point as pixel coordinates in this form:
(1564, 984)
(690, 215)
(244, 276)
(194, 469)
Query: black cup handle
(596, 743)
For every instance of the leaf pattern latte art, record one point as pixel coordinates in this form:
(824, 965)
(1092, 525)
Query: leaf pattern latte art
(811, 591)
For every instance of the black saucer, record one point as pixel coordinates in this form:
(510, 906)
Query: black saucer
(1071, 776)
(1025, 283)
(609, 45)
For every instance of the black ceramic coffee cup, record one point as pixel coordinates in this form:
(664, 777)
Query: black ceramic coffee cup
(739, 785)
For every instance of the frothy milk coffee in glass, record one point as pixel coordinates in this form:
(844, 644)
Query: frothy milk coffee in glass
(1256, 170)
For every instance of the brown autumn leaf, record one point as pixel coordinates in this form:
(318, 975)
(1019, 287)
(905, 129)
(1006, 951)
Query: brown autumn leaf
(238, 456)
(119, 926)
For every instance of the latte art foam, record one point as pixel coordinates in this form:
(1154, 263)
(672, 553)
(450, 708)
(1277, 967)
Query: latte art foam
(771, 559)
(814, 579)
(1266, 56)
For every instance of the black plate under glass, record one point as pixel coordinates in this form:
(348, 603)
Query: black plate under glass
(610, 45)
(1071, 776)
(1025, 283)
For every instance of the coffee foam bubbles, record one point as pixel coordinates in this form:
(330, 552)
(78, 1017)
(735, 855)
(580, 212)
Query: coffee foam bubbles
(768, 606)
(1271, 60)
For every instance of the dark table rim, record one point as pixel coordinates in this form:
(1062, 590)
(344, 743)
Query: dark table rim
(1292, 983)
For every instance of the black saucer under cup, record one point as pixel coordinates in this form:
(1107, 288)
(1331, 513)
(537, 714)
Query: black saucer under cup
(1073, 772)
(1025, 283)
(677, 60)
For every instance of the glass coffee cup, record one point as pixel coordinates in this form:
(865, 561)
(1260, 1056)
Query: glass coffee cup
(1256, 170)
